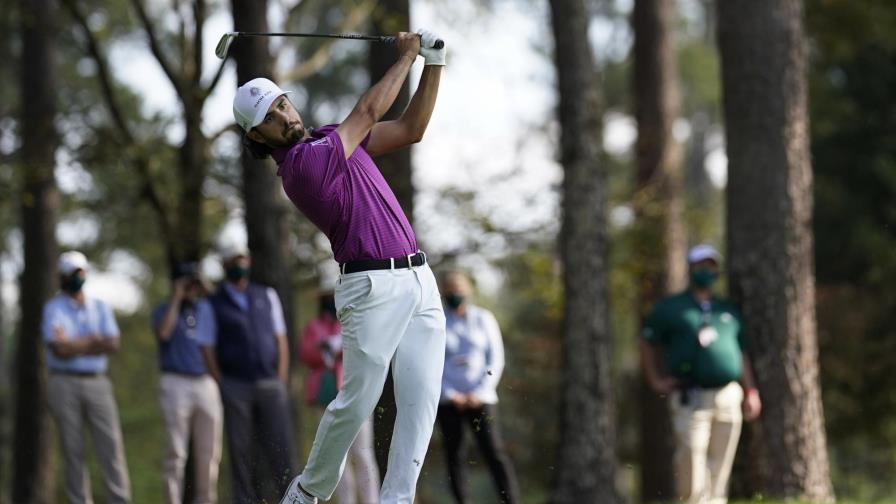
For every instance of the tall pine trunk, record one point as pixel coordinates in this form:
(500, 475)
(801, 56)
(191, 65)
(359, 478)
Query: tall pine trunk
(266, 210)
(32, 465)
(390, 17)
(769, 194)
(660, 236)
(586, 469)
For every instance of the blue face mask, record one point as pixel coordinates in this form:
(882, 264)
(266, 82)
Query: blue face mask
(703, 278)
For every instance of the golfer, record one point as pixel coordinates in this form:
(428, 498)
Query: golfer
(387, 298)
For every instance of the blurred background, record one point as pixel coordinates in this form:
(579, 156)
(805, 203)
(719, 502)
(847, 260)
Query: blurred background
(577, 149)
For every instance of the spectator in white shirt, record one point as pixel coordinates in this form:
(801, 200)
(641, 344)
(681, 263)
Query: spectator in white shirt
(474, 361)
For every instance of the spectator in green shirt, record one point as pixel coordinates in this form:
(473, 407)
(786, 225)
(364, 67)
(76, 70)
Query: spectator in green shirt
(692, 352)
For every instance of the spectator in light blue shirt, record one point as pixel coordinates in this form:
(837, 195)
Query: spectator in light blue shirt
(474, 361)
(79, 332)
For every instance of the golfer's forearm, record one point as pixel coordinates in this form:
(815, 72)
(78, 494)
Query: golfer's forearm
(377, 100)
(416, 117)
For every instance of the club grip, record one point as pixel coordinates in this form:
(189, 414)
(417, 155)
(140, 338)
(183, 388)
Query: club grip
(391, 41)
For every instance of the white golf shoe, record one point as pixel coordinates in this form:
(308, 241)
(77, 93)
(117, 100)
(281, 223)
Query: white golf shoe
(296, 495)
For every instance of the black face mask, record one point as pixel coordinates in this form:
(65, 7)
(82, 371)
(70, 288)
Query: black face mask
(73, 284)
(236, 273)
(454, 301)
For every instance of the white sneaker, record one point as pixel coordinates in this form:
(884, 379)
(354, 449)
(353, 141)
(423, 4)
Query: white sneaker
(295, 495)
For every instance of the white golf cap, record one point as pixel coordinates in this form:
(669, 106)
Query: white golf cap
(703, 251)
(231, 250)
(252, 101)
(71, 261)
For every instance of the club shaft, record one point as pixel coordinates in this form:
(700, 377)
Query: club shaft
(374, 38)
(354, 36)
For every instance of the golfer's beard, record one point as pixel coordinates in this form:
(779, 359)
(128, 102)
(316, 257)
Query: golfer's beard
(295, 135)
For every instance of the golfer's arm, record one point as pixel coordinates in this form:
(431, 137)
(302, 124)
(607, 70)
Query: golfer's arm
(388, 136)
(373, 105)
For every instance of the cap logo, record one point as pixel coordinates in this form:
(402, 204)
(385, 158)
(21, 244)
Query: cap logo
(254, 91)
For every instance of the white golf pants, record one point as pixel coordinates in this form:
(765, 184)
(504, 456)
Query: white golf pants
(388, 317)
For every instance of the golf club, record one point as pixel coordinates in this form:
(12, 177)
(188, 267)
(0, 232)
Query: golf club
(228, 38)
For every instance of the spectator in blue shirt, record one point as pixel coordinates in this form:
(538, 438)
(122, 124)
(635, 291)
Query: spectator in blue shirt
(474, 361)
(79, 332)
(189, 396)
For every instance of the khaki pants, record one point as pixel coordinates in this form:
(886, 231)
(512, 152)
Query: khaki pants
(191, 410)
(74, 401)
(707, 429)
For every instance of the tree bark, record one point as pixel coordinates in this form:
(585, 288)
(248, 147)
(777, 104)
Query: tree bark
(586, 468)
(32, 480)
(390, 17)
(266, 211)
(764, 63)
(660, 235)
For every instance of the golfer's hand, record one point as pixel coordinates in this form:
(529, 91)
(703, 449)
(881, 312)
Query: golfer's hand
(408, 44)
(431, 55)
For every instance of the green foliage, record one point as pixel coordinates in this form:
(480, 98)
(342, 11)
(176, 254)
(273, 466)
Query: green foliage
(853, 91)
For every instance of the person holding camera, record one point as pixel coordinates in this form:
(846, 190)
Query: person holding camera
(692, 351)
(189, 396)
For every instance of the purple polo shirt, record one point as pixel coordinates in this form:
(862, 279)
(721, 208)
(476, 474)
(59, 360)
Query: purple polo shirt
(347, 199)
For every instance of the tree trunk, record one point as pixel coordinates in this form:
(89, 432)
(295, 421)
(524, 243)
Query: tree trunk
(32, 480)
(390, 17)
(660, 233)
(764, 62)
(586, 469)
(266, 211)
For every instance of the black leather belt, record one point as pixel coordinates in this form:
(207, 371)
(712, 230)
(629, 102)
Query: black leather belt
(409, 261)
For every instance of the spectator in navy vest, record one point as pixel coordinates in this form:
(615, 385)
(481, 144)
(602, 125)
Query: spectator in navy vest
(79, 332)
(189, 396)
(251, 362)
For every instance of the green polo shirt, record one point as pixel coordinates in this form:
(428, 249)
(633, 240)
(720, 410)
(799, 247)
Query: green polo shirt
(675, 324)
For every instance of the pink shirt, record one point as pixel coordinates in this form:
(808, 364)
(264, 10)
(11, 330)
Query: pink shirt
(318, 331)
(347, 199)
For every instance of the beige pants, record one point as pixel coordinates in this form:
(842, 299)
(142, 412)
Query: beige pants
(76, 401)
(707, 429)
(191, 409)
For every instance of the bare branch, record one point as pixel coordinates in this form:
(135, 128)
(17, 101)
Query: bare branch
(214, 82)
(218, 134)
(103, 74)
(317, 60)
(199, 14)
(156, 49)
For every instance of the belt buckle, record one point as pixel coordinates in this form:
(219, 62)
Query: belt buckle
(410, 260)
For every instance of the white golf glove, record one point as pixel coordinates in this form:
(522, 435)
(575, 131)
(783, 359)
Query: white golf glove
(431, 55)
